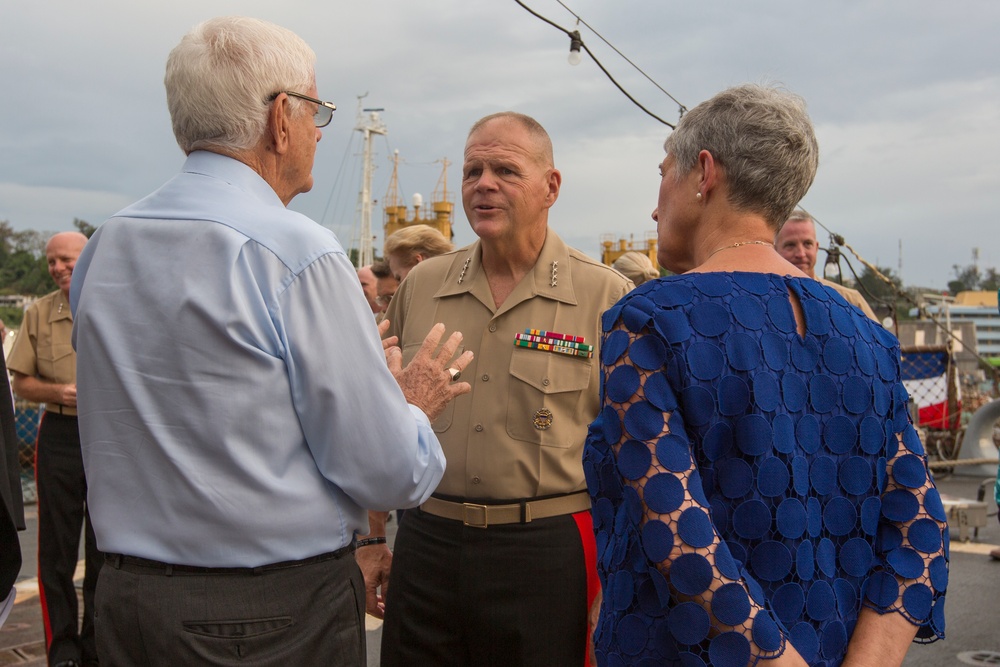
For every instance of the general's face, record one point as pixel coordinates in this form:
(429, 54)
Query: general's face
(507, 185)
(61, 252)
(796, 242)
(675, 216)
(305, 136)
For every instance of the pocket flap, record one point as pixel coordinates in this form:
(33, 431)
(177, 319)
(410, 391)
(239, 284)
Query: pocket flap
(551, 373)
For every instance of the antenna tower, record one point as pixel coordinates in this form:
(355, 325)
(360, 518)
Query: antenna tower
(369, 123)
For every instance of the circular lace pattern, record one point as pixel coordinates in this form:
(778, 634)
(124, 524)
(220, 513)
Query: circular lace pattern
(752, 485)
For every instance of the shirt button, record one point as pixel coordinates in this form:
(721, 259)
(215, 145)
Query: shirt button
(486, 377)
(476, 480)
(545, 382)
(479, 427)
(493, 327)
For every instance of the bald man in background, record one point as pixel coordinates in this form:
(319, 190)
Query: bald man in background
(44, 367)
(796, 242)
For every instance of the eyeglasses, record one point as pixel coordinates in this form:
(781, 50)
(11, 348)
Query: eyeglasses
(384, 300)
(324, 110)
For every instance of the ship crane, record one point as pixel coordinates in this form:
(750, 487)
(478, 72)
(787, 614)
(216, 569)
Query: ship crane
(369, 124)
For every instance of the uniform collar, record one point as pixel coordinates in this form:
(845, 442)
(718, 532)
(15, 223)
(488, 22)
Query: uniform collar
(550, 278)
(60, 307)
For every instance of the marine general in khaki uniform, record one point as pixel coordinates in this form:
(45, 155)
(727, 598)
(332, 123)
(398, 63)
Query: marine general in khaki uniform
(44, 367)
(497, 568)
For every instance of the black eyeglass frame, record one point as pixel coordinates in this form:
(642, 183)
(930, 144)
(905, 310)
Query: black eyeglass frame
(324, 110)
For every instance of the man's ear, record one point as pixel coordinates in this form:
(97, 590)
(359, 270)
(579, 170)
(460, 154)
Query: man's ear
(279, 123)
(554, 182)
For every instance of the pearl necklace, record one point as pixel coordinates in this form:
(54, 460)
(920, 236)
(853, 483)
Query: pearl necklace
(738, 244)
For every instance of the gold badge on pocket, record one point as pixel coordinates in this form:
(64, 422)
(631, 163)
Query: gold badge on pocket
(543, 419)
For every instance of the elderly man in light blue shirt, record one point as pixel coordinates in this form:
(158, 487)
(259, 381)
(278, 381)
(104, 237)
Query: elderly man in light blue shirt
(238, 414)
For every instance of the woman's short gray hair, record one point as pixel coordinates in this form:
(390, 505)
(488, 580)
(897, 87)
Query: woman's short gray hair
(221, 75)
(764, 141)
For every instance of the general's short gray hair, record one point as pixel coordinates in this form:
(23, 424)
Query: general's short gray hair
(764, 141)
(534, 128)
(221, 74)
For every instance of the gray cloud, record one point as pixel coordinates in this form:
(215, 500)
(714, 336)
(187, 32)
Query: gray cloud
(904, 96)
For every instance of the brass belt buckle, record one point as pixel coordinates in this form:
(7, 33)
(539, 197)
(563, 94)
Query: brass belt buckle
(472, 519)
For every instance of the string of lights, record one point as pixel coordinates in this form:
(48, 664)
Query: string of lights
(836, 240)
(576, 43)
(591, 28)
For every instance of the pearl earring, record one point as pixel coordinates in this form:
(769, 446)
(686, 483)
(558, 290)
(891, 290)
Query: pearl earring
(698, 196)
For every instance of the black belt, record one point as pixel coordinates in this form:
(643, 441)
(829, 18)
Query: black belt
(118, 560)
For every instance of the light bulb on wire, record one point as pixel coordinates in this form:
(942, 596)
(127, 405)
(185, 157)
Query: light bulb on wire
(831, 269)
(574, 48)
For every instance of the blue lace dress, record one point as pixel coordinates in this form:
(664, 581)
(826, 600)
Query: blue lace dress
(752, 486)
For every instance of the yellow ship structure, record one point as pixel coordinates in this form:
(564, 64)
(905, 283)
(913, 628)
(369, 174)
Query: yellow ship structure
(438, 214)
(613, 247)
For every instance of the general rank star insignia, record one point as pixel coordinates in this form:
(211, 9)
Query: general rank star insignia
(543, 419)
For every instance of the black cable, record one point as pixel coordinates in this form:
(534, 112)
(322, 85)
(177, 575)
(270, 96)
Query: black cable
(900, 294)
(336, 180)
(869, 295)
(575, 35)
(920, 309)
(618, 85)
(624, 57)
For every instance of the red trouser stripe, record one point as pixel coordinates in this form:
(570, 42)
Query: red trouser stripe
(41, 589)
(585, 524)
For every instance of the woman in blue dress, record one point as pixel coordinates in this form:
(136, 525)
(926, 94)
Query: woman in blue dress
(759, 493)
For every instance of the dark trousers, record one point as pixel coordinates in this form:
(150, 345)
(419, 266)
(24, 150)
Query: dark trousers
(62, 513)
(307, 614)
(504, 596)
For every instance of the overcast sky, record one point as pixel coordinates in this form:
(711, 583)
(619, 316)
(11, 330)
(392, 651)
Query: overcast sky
(904, 94)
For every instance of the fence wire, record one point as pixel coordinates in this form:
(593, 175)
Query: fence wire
(27, 417)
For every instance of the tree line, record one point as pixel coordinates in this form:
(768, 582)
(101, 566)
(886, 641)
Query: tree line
(24, 270)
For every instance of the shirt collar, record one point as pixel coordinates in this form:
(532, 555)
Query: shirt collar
(60, 308)
(232, 171)
(551, 276)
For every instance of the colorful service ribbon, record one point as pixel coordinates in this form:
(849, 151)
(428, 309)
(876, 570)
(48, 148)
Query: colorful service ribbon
(553, 334)
(547, 341)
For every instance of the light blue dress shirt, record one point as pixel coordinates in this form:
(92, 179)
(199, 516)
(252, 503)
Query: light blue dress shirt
(235, 406)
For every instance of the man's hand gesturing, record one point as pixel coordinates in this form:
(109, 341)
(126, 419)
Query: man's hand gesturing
(428, 381)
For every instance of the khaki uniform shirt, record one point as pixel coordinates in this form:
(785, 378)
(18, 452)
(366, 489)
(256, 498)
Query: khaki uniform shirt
(43, 347)
(851, 296)
(520, 433)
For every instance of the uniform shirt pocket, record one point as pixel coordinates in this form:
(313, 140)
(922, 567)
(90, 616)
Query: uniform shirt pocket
(56, 362)
(547, 395)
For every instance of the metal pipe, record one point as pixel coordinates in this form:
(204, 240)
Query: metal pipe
(977, 443)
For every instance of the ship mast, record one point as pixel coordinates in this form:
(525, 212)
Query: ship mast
(369, 124)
